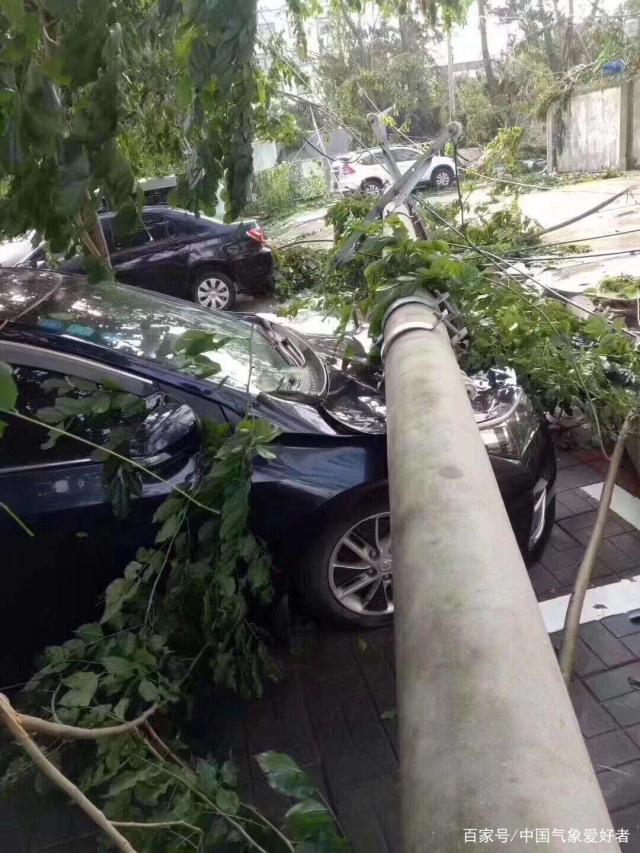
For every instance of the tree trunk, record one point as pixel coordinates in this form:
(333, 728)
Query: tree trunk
(492, 83)
(568, 39)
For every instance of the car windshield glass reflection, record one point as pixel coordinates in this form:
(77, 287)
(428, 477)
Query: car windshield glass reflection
(150, 326)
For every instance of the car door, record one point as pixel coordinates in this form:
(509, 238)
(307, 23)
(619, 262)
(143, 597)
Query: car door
(153, 256)
(65, 542)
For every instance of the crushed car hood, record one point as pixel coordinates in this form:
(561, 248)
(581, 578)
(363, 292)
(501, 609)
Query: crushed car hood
(355, 396)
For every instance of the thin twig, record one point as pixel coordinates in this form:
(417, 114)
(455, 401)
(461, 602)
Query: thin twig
(163, 746)
(273, 828)
(161, 570)
(229, 818)
(17, 519)
(12, 721)
(161, 824)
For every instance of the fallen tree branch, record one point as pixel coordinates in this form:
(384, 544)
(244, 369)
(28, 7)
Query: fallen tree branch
(46, 727)
(11, 721)
(583, 577)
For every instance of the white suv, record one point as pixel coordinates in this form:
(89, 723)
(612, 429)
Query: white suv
(365, 171)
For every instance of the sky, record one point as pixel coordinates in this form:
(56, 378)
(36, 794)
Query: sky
(465, 39)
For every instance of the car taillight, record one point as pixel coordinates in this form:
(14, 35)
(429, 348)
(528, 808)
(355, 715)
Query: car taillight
(348, 170)
(257, 235)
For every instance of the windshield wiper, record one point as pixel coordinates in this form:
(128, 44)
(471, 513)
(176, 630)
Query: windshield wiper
(285, 346)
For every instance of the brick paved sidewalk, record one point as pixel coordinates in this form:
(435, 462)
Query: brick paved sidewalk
(330, 712)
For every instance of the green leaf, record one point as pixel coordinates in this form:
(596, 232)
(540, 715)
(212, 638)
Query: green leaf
(101, 403)
(118, 667)
(284, 775)
(68, 406)
(8, 389)
(91, 632)
(50, 415)
(129, 779)
(166, 509)
(83, 687)
(148, 691)
(121, 708)
(229, 773)
(169, 529)
(308, 819)
(227, 800)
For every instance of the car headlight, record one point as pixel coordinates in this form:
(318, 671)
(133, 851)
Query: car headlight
(509, 424)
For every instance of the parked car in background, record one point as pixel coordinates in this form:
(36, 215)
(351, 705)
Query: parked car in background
(174, 252)
(321, 503)
(366, 172)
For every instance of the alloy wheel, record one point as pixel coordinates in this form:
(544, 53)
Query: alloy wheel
(371, 189)
(442, 179)
(361, 567)
(213, 292)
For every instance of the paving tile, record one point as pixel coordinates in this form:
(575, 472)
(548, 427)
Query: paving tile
(576, 476)
(613, 682)
(625, 709)
(608, 648)
(587, 662)
(570, 558)
(350, 734)
(543, 582)
(628, 818)
(559, 538)
(280, 720)
(575, 500)
(610, 555)
(632, 642)
(621, 626)
(611, 748)
(592, 716)
(369, 814)
(565, 460)
(621, 786)
(634, 733)
(579, 521)
(630, 544)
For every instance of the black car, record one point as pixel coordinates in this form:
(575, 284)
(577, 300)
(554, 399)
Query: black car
(190, 257)
(321, 504)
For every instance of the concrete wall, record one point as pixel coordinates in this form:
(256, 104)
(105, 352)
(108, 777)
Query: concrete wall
(265, 155)
(634, 125)
(589, 132)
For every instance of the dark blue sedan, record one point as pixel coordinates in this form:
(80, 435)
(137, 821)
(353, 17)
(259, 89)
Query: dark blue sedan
(174, 252)
(321, 503)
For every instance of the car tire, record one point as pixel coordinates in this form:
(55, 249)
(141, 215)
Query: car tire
(371, 187)
(442, 178)
(320, 579)
(214, 290)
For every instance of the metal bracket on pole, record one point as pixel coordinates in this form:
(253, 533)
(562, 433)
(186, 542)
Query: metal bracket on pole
(400, 190)
(380, 132)
(445, 312)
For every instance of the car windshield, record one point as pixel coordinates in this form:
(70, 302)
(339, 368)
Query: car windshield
(143, 324)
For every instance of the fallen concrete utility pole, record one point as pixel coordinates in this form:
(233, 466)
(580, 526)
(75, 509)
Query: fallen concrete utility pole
(488, 736)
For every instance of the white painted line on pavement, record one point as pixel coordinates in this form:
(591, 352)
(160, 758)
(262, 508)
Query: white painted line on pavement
(623, 503)
(613, 598)
(600, 602)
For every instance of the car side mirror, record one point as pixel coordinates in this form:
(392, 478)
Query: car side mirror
(168, 430)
